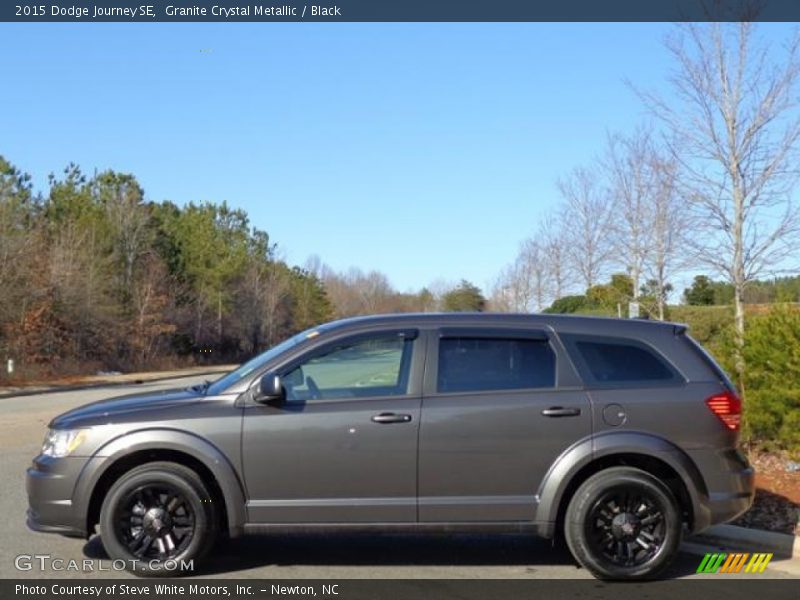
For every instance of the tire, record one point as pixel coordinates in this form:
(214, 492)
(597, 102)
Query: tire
(623, 523)
(157, 513)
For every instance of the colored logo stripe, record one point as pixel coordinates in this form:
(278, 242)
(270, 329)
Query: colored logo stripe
(711, 563)
(758, 563)
(721, 562)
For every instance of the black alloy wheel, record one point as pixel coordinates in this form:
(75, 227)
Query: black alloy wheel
(623, 523)
(627, 526)
(157, 517)
(155, 521)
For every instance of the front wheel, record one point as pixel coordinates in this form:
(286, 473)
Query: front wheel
(623, 523)
(158, 518)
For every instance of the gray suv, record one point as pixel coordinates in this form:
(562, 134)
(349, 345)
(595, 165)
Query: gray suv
(616, 434)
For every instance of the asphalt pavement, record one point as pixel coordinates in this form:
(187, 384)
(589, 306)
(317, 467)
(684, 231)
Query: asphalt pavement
(23, 420)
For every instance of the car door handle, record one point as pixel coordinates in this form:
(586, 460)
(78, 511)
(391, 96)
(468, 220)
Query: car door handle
(391, 418)
(560, 411)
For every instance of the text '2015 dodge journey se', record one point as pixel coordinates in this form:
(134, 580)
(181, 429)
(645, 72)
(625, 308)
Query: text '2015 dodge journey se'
(616, 434)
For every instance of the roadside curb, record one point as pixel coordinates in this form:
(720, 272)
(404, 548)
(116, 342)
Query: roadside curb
(785, 547)
(35, 391)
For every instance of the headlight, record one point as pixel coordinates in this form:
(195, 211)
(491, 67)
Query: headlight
(61, 442)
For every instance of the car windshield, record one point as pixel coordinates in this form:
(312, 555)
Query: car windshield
(255, 363)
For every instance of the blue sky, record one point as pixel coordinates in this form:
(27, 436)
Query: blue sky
(426, 151)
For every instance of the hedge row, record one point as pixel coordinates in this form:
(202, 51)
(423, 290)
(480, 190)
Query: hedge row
(771, 386)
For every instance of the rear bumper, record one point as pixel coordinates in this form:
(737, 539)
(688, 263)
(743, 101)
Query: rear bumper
(726, 506)
(50, 483)
(731, 487)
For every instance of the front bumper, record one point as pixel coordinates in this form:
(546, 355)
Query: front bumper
(50, 483)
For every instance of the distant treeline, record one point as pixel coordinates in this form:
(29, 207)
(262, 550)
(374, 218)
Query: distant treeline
(95, 276)
(705, 292)
(613, 298)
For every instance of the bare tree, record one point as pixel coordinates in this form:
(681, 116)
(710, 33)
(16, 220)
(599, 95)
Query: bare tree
(150, 299)
(587, 215)
(263, 298)
(667, 230)
(629, 162)
(524, 285)
(357, 293)
(514, 290)
(532, 266)
(275, 289)
(373, 289)
(555, 255)
(500, 298)
(129, 219)
(437, 289)
(77, 276)
(734, 132)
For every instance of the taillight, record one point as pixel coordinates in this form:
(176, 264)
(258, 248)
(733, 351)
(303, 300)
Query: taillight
(728, 407)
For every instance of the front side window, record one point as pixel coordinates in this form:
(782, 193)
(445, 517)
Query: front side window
(257, 362)
(482, 364)
(376, 366)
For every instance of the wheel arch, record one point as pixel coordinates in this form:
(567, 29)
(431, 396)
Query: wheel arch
(635, 449)
(135, 448)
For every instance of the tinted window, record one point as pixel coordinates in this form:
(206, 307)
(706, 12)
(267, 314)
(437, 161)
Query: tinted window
(477, 364)
(610, 361)
(376, 366)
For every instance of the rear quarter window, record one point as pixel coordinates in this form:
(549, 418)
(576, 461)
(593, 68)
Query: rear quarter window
(619, 361)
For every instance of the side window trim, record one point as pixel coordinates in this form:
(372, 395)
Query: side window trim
(493, 333)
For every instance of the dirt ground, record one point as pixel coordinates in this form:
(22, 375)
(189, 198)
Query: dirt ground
(777, 502)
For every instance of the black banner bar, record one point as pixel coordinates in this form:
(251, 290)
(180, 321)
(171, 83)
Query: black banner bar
(151, 11)
(728, 587)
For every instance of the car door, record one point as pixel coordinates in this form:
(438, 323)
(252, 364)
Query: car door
(342, 448)
(499, 406)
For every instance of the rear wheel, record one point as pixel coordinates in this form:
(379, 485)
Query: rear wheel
(157, 517)
(623, 523)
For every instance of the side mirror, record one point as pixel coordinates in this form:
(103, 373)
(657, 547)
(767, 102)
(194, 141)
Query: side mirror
(270, 390)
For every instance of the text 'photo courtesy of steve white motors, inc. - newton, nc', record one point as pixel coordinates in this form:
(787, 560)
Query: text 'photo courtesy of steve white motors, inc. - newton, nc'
(171, 590)
(94, 11)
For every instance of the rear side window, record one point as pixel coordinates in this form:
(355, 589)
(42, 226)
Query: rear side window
(482, 364)
(611, 360)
